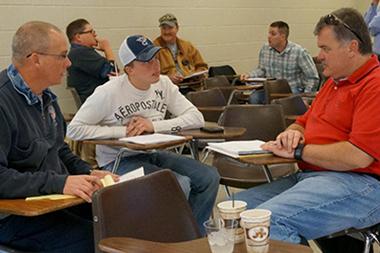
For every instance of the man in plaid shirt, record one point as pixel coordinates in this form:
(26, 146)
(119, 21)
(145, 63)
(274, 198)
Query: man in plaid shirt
(283, 59)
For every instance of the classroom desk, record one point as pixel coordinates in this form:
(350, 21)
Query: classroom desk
(128, 146)
(36, 207)
(198, 134)
(131, 245)
(265, 160)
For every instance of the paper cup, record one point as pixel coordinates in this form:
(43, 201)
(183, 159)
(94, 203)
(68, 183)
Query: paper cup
(256, 225)
(230, 213)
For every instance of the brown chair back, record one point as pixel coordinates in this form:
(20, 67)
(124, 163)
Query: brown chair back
(208, 98)
(76, 97)
(278, 86)
(152, 208)
(263, 122)
(215, 82)
(293, 105)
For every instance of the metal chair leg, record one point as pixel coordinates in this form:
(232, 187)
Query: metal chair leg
(227, 191)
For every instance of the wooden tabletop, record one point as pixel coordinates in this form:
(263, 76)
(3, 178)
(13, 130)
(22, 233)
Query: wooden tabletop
(211, 108)
(265, 159)
(36, 207)
(130, 245)
(249, 87)
(228, 133)
(68, 116)
(134, 146)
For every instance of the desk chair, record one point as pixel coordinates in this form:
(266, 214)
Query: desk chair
(293, 105)
(278, 88)
(215, 82)
(369, 236)
(152, 208)
(6, 249)
(210, 102)
(262, 122)
(225, 70)
(76, 97)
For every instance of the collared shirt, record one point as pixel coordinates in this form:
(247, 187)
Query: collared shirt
(372, 19)
(347, 110)
(22, 87)
(294, 64)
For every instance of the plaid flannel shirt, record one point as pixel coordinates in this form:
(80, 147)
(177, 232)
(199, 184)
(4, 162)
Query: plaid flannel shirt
(294, 64)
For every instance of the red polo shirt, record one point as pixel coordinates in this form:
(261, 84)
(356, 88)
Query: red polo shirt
(348, 110)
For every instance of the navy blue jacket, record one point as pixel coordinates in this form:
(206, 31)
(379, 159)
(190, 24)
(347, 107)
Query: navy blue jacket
(34, 159)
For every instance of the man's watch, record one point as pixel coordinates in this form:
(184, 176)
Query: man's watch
(298, 151)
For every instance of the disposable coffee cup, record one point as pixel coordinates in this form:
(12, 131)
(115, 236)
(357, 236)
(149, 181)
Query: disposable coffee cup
(256, 225)
(231, 211)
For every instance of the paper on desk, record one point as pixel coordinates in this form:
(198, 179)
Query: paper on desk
(255, 79)
(51, 197)
(107, 180)
(196, 74)
(152, 138)
(238, 148)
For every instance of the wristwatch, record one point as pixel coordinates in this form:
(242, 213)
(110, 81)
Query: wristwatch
(298, 151)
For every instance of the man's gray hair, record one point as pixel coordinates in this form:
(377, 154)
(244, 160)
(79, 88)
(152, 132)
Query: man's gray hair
(31, 37)
(349, 25)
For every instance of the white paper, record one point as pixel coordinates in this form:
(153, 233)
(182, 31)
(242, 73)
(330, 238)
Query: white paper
(256, 79)
(196, 74)
(132, 175)
(152, 138)
(238, 148)
(108, 180)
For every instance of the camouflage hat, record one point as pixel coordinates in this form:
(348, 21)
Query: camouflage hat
(168, 19)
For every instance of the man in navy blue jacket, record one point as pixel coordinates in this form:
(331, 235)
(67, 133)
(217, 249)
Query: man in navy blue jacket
(34, 159)
(89, 69)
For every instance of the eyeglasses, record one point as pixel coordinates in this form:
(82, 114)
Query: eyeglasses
(89, 31)
(331, 19)
(60, 56)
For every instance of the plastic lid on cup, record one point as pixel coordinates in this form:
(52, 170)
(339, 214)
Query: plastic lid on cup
(255, 214)
(226, 206)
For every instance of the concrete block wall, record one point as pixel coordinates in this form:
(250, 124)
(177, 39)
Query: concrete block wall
(225, 31)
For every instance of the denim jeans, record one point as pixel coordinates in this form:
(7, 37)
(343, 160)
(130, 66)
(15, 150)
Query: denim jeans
(257, 97)
(315, 204)
(204, 180)
(58, 232)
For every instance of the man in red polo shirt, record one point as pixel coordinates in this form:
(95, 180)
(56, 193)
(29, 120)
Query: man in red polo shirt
(337, 143)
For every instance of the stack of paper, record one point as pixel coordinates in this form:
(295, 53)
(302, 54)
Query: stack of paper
(108, 180)
(196, 74)
(238, 148)
(152, 138)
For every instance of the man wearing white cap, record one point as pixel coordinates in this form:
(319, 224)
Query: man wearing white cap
(136, 103)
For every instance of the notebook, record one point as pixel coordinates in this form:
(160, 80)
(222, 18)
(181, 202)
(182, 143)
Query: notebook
(238, 148)
(152, 138)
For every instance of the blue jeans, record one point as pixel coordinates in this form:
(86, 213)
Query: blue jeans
(204, 180)
(58, 232)
(257, 97)
(311, 205)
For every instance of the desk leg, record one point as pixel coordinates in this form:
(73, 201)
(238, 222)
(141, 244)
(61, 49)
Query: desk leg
(117, 160)
(268, 174)
(194, 149)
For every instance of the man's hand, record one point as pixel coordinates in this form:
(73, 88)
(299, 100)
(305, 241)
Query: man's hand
(176, 78)
(102, 173)
(103, 44)
(139, 125)
(277, 150)
(82, 186)
(289, 139)
(244, 77)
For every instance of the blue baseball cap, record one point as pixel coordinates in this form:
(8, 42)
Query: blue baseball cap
(137, 47)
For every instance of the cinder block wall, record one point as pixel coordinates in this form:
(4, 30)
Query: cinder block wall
(225, 31)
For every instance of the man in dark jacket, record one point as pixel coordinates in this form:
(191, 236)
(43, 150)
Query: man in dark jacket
(34, 159)
(89, 69)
